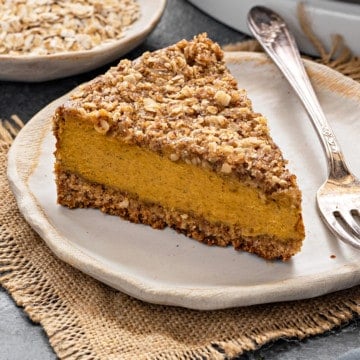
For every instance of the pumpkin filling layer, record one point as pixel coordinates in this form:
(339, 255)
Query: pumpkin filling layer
(156, 179)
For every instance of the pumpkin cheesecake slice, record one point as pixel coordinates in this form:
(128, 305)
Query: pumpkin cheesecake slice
(170, 140)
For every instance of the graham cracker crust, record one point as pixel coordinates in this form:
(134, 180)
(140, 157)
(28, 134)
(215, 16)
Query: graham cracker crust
(77, 192)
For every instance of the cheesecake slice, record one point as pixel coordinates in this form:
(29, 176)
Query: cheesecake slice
(170, 140)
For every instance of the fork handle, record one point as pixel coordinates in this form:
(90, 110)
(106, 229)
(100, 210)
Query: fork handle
(272, 33)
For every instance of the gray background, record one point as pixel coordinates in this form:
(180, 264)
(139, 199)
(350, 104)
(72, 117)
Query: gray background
(20, 339)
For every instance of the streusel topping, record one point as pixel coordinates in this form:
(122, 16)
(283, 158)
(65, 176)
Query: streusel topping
(183, 102)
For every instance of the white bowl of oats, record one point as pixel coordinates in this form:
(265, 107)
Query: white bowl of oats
(44, 39)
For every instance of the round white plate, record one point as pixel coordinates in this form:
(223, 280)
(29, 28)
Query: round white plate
(326, 17)
(33, 68)
(164, 267)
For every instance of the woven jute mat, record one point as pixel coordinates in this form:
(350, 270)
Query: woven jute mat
(85, 319)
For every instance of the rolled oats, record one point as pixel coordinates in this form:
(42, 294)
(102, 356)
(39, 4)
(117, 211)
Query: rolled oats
(222, 98)
(43, 27)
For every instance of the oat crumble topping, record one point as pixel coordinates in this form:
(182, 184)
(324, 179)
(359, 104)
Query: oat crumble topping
(183, 102)
(43, 27)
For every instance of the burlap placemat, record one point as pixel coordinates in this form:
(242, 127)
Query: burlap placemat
(85, 319)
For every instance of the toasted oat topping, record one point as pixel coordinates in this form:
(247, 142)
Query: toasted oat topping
(43, 27)
(183, 102)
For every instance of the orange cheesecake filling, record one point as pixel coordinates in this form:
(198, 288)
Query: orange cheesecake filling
(174, 185)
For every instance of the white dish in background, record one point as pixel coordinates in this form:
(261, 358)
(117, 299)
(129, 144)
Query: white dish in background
(326, 17)
(161, 266)
(33, 68)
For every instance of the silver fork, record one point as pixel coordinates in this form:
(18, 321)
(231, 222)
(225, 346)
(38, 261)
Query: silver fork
(338, 198)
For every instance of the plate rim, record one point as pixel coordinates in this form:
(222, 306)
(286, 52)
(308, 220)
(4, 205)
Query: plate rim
(347, 275)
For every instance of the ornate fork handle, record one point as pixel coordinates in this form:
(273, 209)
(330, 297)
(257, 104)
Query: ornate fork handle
(271, 31)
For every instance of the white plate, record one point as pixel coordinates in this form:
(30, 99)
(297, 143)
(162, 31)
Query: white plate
(48, 67)
(161, 266)
(326, 17)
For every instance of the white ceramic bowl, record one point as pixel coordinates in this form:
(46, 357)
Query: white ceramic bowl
(34, 68)
(326, 17)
